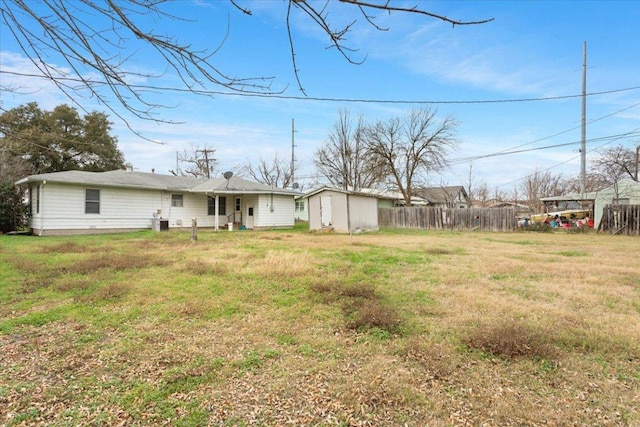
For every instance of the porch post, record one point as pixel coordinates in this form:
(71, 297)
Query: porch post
(217, 209)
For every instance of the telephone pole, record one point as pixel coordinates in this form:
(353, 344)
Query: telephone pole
(206, 152)
(583, 139)
(293, 156)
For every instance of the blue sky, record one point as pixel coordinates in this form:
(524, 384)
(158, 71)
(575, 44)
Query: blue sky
(532, 50)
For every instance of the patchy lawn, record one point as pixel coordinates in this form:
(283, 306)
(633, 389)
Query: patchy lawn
(290, 328)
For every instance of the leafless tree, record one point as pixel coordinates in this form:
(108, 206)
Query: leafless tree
(276, 172)
(410, 148)
(87, 48)
(540, 184)
(344, 160)
(615, 163)
(477, 189)
(196, 162)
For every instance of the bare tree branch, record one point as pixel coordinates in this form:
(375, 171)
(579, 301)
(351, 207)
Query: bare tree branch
(94, 59)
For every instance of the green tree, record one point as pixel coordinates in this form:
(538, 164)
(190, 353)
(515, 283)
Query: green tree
(59, 140)
(37, 141)
(13, 206)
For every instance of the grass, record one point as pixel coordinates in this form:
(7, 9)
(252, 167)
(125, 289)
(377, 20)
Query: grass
(291, 328)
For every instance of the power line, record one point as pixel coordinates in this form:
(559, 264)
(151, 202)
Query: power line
(634, 131)
(330, 99)
(511, 149)
(565, 144)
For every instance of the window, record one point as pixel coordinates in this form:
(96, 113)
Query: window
(238, 204)
(300, 206)
(177, 200)
(211, 205)
(35, 202)
(92, 201)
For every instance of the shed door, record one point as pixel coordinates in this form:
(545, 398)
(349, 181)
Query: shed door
(325, 211)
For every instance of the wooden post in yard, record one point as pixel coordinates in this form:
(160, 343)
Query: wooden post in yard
(194, 229)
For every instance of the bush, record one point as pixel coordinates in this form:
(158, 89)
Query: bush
(511, 340)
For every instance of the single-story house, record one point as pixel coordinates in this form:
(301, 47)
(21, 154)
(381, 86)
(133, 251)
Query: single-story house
(78, 202)
(343, 211)
(447, 197)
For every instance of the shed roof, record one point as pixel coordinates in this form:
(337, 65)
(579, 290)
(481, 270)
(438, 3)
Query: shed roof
(339, 190)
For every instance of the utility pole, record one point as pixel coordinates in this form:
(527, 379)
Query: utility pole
(293, 156)
(583, 139)
(637, 160)
(206, 152)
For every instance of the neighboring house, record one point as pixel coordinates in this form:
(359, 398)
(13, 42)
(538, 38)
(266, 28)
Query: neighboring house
(77, 202)
(448, 197)
(301, 212)
(624, 192)
(343, 211)
(393, 199)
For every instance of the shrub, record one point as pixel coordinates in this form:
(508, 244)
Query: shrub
(370, 314)
(511, 340)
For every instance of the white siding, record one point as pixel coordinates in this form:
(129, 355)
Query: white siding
(62, 207)
(274, 211)
(338, 211)
(363, 212)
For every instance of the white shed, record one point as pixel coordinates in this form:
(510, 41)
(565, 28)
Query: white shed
(341, 210)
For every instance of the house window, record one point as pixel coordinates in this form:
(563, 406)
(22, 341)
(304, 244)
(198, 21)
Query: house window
(177, 200)
(211, 205)
(35, 203)
(300, 206)
(238, 204)
(92, 201)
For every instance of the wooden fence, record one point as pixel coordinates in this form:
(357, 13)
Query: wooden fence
(621, 219)
(438, 218)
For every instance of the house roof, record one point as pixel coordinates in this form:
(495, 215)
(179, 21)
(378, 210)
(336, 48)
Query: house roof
(237, 185)
(439, 195)
(153, 181)
(571, 197)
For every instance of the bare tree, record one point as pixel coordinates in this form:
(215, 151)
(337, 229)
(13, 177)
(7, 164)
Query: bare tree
(410, 148)
(344, 160)
(94, 58)
(540, 184)
(276, 172)
(196, 162)
(477, 189)
(615, 163)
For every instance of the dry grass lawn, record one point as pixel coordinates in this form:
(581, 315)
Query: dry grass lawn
(289, 328)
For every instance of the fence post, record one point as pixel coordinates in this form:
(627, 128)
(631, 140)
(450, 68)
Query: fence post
(194, 229)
